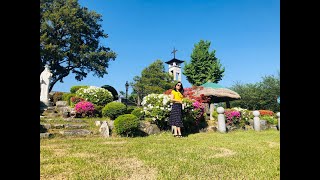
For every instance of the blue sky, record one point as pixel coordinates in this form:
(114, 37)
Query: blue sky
(244, 33)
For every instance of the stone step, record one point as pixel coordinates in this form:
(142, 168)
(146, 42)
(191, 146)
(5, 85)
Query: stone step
(63, 126)
(46, 135)
(76, 132)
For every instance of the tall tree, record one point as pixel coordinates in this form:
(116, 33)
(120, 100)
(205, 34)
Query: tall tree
(112, 90)
(153, 79)
(259, 96)
(204, 65)
(69, 41)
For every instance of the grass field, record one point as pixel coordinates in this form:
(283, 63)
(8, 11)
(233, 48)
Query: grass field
(235, 155)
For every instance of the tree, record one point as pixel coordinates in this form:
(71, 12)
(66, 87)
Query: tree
(259, 96)
(69, 41)
(112, 90)
(204, 65)
(153, 79)
(122, 93)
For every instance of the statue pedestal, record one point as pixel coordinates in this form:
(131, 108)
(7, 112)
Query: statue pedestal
(46, 102)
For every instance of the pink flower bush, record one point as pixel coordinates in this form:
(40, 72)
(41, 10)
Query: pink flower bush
(233, 117)
(197, 105)
(84, 108)
(199, 108)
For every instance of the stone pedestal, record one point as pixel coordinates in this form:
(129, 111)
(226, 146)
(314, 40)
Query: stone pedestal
(278, 114)
(221, 120)
(256, 120)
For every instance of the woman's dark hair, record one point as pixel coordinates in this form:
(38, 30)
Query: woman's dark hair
(181, 87)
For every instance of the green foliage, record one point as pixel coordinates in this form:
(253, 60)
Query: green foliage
(67, 97)
(113, 110)
(122, 93)
(204, 65)
(98, 110)
(57, 96)
(126, 124)
(129, 109)
(215, 115)
(75, 99)
(74, 89)
(96, 95)
(70, 40)
(138, 112)
(112, 90)
(270, 119)
(153, 79)
(261, 95)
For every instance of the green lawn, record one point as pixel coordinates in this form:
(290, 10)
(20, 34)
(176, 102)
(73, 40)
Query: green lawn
(235, 155)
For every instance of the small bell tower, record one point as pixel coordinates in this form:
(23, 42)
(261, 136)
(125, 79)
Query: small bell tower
(174, 66)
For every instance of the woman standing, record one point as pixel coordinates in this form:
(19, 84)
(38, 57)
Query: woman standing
(176, 111)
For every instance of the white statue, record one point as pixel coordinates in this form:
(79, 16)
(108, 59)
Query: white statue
(45, 78)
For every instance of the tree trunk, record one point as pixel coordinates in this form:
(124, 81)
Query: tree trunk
(138, 100)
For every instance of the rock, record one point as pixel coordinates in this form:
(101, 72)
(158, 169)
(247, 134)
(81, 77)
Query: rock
(61, 103)
(45, 135)
(47, 126)
(97, 123)
(74, 120)
(110, 123)
(152, 129)
(247, 127)
(58, 126)
(43, 129)
(76, 132)
(263, 124)
(75, 126)
(104, 129)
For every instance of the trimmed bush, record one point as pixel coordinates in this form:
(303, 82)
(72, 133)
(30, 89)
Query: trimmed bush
(57, 96)
(129, 109)
(270, 119)
(74, 100)
(113, 110)
(126, 124)
(98, 110)
(74, 89)
(138, 112)
(67, 97)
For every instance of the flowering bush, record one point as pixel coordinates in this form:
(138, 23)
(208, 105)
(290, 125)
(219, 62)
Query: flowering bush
(190, 94)
(193, 108)
(74, 100)
(96, 95)
(233, 118)
(246, 115)
(266, 112)
(157, 106)
(84, 108)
